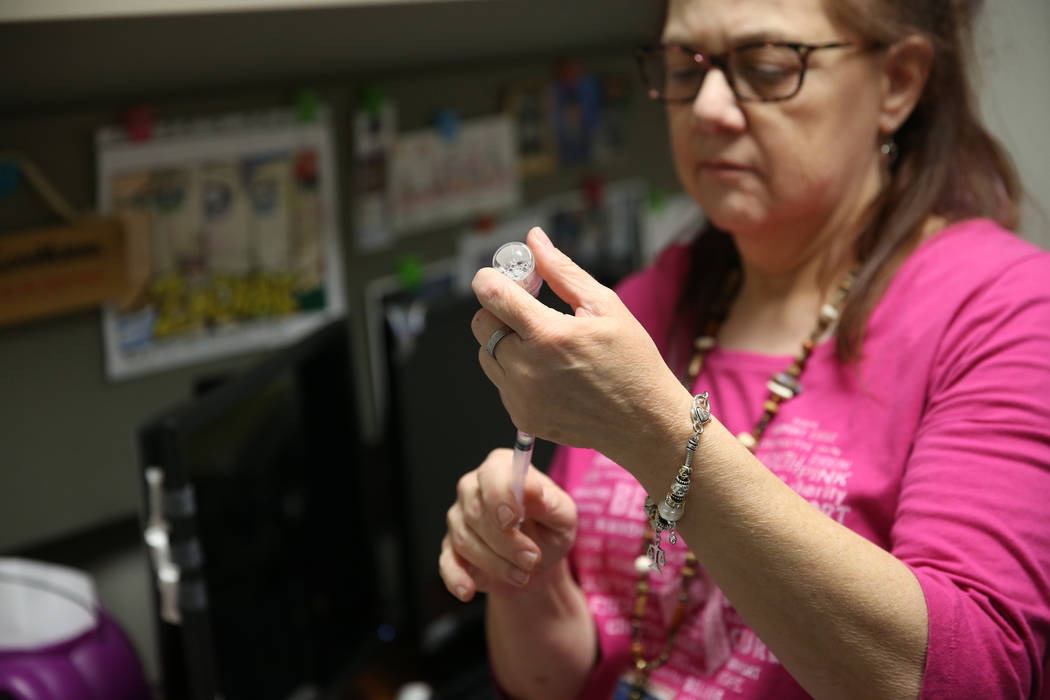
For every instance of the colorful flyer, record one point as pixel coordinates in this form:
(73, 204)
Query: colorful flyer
(239, 216)
(439, 178)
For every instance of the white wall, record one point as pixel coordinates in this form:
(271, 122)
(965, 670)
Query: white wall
(123, 585)
(1015, 98)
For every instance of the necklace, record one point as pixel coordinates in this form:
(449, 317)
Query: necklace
(644, 666)
(782, 386)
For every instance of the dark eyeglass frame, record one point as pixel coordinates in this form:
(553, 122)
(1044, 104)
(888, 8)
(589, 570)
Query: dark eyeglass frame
(721, 62)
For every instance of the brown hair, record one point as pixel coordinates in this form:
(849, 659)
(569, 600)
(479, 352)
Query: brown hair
(948, 166)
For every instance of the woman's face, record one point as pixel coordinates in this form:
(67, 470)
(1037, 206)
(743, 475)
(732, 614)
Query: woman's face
(803, 164)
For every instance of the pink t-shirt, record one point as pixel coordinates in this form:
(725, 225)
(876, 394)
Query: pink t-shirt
(935, 447)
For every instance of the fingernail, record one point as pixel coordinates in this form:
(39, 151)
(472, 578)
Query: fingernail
(461, 592)
(518, 576)
(527, 560)
(541, 236)
(505, 515)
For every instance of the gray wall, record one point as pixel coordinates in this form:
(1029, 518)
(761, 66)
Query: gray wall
(67, 453)
(1015, 98)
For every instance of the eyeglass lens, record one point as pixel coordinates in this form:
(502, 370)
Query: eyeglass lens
(766, 72)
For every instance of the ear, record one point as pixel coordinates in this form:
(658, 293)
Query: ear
(906, 67)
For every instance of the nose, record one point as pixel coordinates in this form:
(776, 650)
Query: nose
(715, 106)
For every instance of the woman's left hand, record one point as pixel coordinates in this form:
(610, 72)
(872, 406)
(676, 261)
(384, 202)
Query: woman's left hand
(593, 379)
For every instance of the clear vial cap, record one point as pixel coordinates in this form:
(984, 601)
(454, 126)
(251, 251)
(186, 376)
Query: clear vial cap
(516, 262)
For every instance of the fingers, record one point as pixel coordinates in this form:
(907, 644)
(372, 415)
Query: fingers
(483, 550)
(494, 481)
(545, 502)
(508, 302)
(568, 280)
(506, 556)
(505, 304)
(462, 579)
(483, 325)
(477, 538)
(455, 572)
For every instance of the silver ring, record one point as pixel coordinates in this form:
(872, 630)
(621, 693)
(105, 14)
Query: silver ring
(497, 335)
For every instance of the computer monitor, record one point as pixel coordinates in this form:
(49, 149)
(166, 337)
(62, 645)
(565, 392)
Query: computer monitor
(444, 418)
(260, 529)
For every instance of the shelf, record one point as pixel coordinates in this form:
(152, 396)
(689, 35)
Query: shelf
(116, 57)
(52, 10)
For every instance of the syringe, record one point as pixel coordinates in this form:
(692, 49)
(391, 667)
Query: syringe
(515, 260)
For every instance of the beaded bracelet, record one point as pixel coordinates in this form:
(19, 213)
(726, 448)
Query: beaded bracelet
(670, 511)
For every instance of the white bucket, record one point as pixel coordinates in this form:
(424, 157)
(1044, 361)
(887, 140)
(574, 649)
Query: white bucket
(43, 604)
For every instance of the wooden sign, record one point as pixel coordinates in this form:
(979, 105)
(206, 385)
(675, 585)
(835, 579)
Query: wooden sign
(49, 271)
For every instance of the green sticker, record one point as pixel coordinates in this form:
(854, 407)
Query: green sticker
(410, 272)
(657, 199)
(307, 106)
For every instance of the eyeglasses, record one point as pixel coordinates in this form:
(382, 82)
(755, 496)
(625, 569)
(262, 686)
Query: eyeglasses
(761, 72)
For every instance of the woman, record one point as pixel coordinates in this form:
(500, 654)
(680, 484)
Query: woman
(866, 512)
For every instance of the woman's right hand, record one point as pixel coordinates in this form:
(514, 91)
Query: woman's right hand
(483, 550)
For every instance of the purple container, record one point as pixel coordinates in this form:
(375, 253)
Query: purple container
(56, 641)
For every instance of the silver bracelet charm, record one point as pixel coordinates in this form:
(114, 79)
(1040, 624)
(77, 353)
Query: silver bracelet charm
(666, 515)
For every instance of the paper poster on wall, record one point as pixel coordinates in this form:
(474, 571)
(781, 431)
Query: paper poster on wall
(375, 129)
(438, 178)
(240, 217)
(599, 230)
(530, 103)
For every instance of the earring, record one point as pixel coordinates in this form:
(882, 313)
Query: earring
(889, 150)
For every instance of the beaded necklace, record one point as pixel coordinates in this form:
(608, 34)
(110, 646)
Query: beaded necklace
(782, 386)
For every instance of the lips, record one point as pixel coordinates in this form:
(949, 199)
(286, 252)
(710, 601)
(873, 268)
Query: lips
(721, 165)
(718, 169)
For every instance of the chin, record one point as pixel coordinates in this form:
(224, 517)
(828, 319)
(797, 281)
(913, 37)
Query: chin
(733, 214)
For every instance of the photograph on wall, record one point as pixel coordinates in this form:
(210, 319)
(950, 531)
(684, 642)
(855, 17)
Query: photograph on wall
(438, 177)
(240, 220)
(530, 104)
